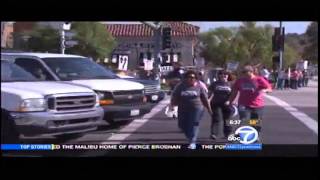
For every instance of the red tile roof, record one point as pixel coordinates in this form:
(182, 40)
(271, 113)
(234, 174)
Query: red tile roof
(21, 26)
(178, 29)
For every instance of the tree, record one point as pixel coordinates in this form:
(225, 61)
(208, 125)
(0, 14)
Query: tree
(245, 44)
(290, 56)
(311, 50)
(94, 40)
(41, 39)
(256, 43)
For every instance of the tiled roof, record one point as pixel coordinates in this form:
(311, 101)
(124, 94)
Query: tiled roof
(178, 29)
(21, 26)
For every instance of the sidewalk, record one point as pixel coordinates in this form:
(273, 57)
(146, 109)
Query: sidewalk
(313, 82)
(315, 78)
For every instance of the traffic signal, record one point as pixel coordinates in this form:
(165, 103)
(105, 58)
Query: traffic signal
(166, 37)
(275, 62)
(278, 40)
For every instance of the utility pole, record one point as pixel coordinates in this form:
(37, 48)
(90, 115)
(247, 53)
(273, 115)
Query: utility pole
(280, 49)
(157, 40)
(65, 26)
(62, 41)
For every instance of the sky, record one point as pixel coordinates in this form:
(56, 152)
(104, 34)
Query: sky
(290, 26)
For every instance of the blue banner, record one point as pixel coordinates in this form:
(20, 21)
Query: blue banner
(20, 147)
(243, 147)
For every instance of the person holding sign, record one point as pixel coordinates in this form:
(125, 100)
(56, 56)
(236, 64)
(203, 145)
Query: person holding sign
(123, 62)
(148, 64)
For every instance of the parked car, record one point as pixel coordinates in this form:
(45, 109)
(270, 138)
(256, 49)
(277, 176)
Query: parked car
(30, 106)
(152, 88)
(120, 99)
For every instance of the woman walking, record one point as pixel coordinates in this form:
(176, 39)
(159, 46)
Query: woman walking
(191, 98)
(219, 93)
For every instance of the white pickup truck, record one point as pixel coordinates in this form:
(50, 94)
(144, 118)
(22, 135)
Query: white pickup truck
(120, 99)
(30, 106)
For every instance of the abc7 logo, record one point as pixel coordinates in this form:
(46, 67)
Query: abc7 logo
(246, 135)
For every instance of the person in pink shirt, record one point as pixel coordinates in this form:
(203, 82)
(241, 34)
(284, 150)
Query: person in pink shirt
(251, 101)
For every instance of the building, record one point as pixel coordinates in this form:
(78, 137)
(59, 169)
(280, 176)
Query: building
(136, 43)
(6, 35)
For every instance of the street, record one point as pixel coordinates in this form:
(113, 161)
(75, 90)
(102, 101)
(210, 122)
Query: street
(290, 118)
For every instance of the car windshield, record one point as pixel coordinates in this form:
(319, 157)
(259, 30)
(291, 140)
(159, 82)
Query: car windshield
(12, 73)
(78, 68)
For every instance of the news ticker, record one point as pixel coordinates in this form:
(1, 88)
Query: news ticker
(54, 147)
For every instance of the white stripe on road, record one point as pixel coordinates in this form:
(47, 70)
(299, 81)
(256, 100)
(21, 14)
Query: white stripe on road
(137, 123)
(302, 117)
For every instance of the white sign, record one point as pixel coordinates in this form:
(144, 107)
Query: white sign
(71, 43)
(168, 58)
(305, 64)
(123, 62)
(175, 58)
(69, 34)
(166, 68)
(232, 66)
(148, 64)
(106, 60)
(301, 65)
(114, 59)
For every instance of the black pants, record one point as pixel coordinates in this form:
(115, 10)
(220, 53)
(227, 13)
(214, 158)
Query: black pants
(286, 83)
(294, 84)
(305, 82)
(221, 114)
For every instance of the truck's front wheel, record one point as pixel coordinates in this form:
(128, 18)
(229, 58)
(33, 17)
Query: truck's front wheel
(9, 134)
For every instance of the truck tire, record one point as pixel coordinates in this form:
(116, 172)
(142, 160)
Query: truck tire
(9, 134)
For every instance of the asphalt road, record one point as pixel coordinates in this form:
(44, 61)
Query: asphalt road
(290, 117)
